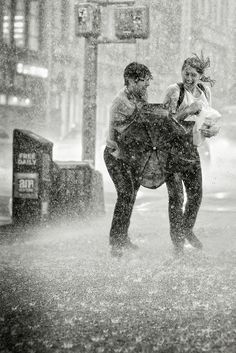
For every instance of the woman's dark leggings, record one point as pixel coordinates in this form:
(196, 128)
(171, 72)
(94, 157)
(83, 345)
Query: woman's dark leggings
(127, 185)
(182, 220)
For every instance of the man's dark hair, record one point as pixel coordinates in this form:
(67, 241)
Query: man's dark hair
(136, 71)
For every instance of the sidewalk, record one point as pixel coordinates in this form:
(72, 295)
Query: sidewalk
(62, 291)
(149, 226)
(151, 203)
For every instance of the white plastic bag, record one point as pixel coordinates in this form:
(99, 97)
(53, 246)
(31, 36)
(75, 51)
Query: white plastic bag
(207, 118)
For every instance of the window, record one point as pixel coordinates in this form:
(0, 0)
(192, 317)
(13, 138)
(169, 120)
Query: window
(225, 12)
(219, 12)
(206, 9)
(65, 19)
(200, 5)
(6, 24)
(57, 20)
(33, 29)
(19, 24)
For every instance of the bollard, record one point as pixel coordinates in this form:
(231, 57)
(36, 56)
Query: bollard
(32, 172)
(70, 192)
(77, 190)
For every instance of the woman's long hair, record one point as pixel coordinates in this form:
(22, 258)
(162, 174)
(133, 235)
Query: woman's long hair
(200, 64)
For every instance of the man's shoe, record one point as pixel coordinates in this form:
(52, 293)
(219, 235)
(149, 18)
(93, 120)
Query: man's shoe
(179, 249)
(194, 241)
(116, 251)
(128, 245)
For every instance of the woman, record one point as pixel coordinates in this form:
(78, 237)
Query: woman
(183, 100)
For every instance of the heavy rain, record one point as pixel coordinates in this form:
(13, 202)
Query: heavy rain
(61, 290)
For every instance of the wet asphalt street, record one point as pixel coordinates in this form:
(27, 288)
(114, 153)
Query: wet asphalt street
(61, 291)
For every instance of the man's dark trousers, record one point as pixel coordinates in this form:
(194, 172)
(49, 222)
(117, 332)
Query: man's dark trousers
(127, 184)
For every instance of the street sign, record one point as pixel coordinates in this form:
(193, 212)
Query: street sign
(26, 185)
(87, 20)
(132, 22)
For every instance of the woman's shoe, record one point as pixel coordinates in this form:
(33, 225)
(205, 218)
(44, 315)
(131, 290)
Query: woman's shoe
(193, 240)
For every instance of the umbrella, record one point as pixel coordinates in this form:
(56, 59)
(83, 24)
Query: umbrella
(149, 142)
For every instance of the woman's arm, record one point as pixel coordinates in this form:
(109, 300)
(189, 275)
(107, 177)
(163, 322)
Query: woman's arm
(171, 102)
(194, 108)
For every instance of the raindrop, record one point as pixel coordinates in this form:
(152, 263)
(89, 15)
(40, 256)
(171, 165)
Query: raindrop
(67, 345)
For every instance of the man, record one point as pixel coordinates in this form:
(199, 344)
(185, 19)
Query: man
(123, 112)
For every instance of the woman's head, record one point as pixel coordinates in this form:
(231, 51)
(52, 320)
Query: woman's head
(137, 77)
(193, 70)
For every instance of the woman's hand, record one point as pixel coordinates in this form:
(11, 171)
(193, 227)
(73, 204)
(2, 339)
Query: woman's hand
(194, 108)
(210, 131)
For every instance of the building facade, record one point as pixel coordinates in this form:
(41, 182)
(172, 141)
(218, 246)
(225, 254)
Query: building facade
(178, 29)
(22, 73)
(182, 27)
(42, 61)
(40, 67)
(213, 28)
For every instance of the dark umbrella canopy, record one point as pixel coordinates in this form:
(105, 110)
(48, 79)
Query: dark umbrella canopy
(148, 143)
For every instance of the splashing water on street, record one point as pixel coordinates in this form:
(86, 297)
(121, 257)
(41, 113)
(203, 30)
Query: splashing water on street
(62, 290)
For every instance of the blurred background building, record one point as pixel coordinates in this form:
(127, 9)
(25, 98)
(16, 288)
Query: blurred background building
(42, 61)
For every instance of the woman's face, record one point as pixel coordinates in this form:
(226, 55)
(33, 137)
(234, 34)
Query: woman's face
(190, 77)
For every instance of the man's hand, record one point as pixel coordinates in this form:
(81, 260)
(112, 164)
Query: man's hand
(140, 104)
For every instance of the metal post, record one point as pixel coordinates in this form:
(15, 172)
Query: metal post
(90, 86)
(49, 56)
(89, 99)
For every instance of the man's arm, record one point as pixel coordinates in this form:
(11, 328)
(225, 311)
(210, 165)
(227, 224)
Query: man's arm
(122, 114)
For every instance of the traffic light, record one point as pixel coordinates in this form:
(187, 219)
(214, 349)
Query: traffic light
(132, 22)
(87, 20)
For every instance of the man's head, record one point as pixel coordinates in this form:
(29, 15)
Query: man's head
(137, 77)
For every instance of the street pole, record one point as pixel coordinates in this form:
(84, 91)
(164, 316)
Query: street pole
(89, 99)
(92, 39)
(49, 57)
